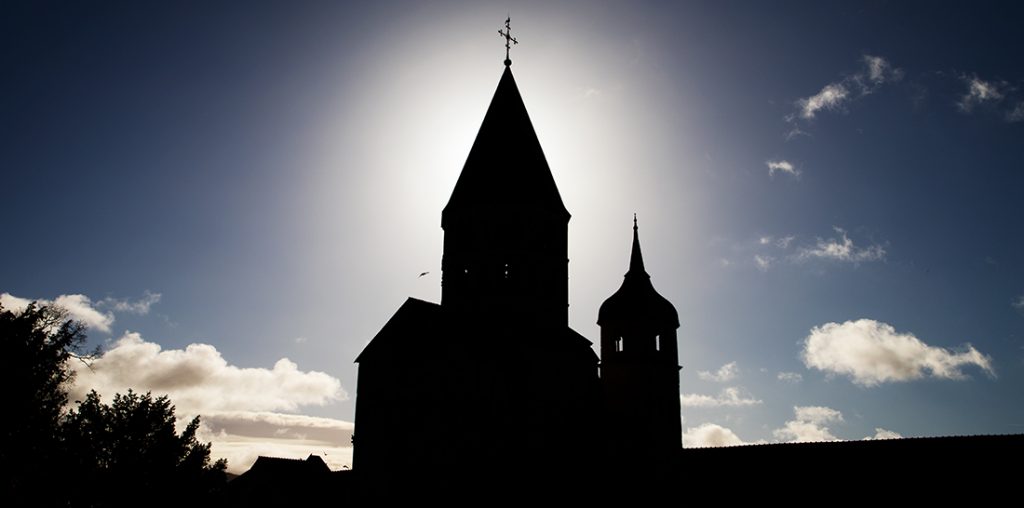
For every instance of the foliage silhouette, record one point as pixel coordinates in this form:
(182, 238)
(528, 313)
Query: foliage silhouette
(132, 443)
(38, 342)
(129, 450)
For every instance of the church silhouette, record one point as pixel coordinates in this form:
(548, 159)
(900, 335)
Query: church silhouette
(490, 396)
(493, 375)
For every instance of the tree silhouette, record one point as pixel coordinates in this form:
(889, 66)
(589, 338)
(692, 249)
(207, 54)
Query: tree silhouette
(121, 454)
(38, 343)
(132, 443)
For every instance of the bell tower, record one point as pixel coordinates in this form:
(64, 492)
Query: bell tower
(640, 364)
(505, 226)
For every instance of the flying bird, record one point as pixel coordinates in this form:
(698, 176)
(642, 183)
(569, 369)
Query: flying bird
(422, 274)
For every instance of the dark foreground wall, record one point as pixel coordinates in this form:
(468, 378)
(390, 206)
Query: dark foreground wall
(974, 470)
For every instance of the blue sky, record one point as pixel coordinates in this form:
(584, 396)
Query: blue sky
(829, 193)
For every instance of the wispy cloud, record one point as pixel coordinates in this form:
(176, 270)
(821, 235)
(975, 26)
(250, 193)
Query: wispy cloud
(140, 306)
(979, 92)
(880, 70)
(780, 242)
(1016, 114)
(728, 397)
(767, 252)
(841, 249)
(870, 352)
(790, 377)
(781, 166)
(831, 97)
(874, 72)
(726, 372)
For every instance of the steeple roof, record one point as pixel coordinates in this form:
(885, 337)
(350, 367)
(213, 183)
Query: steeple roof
(636, 258)
(637, 305)
(506, 171)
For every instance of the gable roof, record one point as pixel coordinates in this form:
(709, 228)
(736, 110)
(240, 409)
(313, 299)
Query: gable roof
(413, 332)
(414, 319)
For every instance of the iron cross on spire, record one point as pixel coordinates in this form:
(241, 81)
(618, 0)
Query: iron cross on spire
(507, 34)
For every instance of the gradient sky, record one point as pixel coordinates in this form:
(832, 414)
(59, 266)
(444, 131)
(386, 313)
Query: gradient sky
(829, 192)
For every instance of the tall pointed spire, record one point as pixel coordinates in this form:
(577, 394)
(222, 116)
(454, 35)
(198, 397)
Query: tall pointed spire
(636, 258)
(506, 170)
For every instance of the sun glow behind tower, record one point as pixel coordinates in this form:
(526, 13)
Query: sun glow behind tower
(403, 134)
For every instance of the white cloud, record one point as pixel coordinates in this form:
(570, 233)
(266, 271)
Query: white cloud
(728, 397)
(199, 380)
(871, 352)
(817, 414)
(254, 421)
(238, 406)
(242, 436)
(782, 166)
(831, 97)
(13, 303)
(725, 373)
(763, 262)
(879, 71)
(783, 243)
(875, 71)
(79, 308)
(809, 424)
(979, 91)
(881, 433)
(790, 377)
(841, 249)
(710, 434)
(140, 306)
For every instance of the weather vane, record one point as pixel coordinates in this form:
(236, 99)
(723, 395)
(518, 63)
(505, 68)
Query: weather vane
(509, 40)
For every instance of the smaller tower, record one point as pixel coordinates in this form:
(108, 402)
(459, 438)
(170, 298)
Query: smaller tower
(640, 365)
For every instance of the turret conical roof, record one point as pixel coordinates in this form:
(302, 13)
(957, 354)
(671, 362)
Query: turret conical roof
(637, 305)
